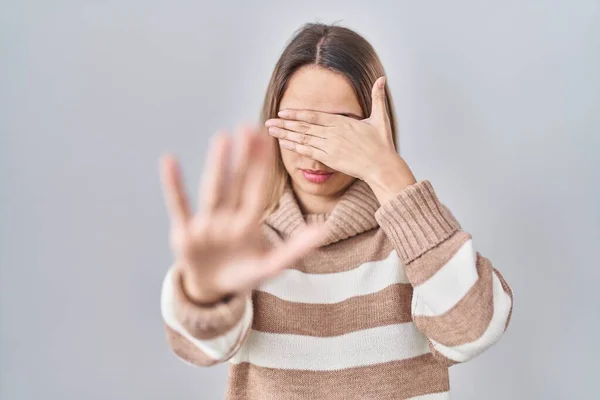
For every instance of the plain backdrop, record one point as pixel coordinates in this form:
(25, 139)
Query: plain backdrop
(497, 103)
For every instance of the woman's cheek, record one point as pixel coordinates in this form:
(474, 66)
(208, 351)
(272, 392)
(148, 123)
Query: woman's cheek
(289, 159)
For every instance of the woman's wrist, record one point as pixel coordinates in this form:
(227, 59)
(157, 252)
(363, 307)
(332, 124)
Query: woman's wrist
(200, 296)
(390, 177)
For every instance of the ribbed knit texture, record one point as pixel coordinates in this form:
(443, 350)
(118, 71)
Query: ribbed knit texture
(394, 295)
(354, 214)
(415, 220)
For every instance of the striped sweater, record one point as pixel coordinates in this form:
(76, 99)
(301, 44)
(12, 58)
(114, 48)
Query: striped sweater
(394, 296)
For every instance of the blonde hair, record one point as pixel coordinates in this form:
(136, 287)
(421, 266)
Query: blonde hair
(333, 47)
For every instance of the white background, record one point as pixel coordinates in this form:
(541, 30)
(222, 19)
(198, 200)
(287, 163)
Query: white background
(498, 106)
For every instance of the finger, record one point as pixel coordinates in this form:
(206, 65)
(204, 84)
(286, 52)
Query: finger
(297, 126)
(307, 151)
(285, 255)
(312, 117)
(379, 114)
(254, 195)
(173, 189)
(245, 138)
(214, 176)
(300, 138)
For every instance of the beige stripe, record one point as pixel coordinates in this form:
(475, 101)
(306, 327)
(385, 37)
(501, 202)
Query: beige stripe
(186, 350)
(469, 318)
(393, 380)
(206, 322)
(385, 307)
(508, 291)
(415, 221)
(424, 267)
(448, 215)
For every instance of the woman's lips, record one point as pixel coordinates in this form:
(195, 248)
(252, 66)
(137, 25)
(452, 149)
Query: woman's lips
(316, 176)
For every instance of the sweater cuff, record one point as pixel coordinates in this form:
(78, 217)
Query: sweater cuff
(205, 322)
(415, 221)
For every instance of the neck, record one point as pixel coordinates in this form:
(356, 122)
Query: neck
(314, 204)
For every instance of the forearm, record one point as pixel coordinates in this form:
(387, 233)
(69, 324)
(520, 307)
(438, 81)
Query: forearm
(460, 302)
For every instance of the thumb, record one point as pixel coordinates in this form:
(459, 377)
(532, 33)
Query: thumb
(379, 116)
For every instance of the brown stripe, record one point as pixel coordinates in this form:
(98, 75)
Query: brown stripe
(508, 291)
(206, 322)
(393, 380)
(186, 350)
(189, 352)
(347, 254)
(469, 318)
(385, 307)
(424, 267)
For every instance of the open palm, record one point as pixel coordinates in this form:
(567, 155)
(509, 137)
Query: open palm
(220, 247)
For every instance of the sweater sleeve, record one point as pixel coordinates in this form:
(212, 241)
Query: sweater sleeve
(203, 335)
(460, 301)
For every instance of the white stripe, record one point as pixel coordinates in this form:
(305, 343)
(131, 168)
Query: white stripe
(364, 347)
(449, 284)
(433, 396)
(464, 352)
(370, 277)
(215, 348)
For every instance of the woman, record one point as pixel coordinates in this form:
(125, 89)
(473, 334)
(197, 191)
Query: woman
(317, 264)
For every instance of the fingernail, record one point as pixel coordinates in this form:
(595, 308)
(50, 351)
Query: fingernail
(283, 113)
(269, 122)
(382, 82)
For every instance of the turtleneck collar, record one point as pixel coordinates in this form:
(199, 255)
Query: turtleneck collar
(353, 214)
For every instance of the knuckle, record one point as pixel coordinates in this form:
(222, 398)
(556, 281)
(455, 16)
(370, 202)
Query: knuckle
(304, 139)
(303, 127)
